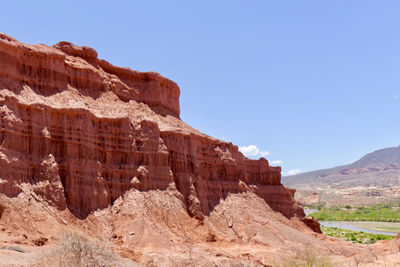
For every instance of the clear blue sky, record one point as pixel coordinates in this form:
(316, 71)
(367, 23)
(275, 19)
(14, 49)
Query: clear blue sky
(315, 83)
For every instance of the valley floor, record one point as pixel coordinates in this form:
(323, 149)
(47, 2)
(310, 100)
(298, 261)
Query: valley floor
(362, 224)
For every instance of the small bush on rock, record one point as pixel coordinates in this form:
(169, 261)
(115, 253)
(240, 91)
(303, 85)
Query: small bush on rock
(306, 258)
(76, 249)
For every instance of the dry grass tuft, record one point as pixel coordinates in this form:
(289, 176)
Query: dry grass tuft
(306, 258)
(77, 249)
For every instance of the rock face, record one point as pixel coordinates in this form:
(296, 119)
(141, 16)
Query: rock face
(82, 132)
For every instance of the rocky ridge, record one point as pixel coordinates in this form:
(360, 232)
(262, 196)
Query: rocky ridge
(372, 179)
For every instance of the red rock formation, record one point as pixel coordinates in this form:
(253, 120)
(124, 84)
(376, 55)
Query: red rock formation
(312, 224)
(82, 132)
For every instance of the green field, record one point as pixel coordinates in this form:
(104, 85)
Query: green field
(353, 236)
(374, 213)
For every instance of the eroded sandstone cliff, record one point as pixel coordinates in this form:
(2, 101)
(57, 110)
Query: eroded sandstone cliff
(82, 132)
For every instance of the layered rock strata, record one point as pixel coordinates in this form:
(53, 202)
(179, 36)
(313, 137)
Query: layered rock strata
(82, 132)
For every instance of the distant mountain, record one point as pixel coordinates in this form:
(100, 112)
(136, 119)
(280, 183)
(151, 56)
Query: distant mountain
(381, 157)
(375, 178)
(380, 168)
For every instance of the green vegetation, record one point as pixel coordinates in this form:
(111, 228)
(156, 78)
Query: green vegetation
(375, 213)
(353, 236)
(316, 206)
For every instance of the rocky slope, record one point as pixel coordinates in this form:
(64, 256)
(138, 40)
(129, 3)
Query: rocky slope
(89, 146)
(375, 178)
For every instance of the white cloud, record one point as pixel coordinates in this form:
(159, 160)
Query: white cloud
(276, 162)
(253, 151)
(294, 172)
(395, 96)
(264, 153)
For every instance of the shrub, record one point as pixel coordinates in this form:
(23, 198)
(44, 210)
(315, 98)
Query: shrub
(76, 249)
(308, 257)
